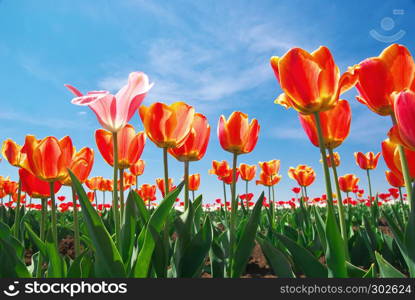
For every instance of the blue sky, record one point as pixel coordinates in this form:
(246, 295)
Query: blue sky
(211, 54)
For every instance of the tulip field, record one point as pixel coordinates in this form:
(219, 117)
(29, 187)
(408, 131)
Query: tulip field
(115, 227)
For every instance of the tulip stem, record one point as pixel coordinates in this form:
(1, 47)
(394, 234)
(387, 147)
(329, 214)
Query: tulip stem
(233, 213)
(374, 205)
(122, 192)
(76, 224)
(42, 237)
(115, 192)
(405, 172)
(54, 222)
(343, 228)
(246, 188)
(193, 196)
(166, 172)
(402, 204)
(17, 212)
(186, 185)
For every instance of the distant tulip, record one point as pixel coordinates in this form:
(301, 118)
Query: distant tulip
(94, 183)
(271, 167)
(147, 192)
(266, 180)
(9, 187)
(194, 182)
(367, 161)
(130, 146)
(137, 169)
(247, 172)
(115, 111)
(336, 158)
(348, 182)
(236, 135)
(380, 77)
(161, 186)
(227, 179)
(335, 125)
(311, 81)
(220, 169)
(304, 175)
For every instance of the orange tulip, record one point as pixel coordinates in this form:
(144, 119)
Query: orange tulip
(266, 180)
(35, 187)
(129, 179)
(335, 125)
(94, 183)
(195, 145)
(194, 182)
(137, 169)
(130, 146)
(367, 161)
(167, 125)
(228, 178)
(10, 187)
(304, 175)
(236, 135)
(48, 159)
(311, 81)
(106, 185)
(147, 192)
(247, 172)
(161, 185)
(220, 169)
(336, 158)
(390, 153)
(380, 77)
(395, 180)
(81, 166)
(271, 167)
(13, 153)
(348, 182)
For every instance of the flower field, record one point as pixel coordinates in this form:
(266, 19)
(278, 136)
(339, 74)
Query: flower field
(115, 227)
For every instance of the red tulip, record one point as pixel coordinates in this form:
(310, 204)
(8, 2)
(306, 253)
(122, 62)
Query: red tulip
(270, 168)
(161, 186)
(147, 192)
(367, 161)
(115, 111)
(266, 180)
(247, 172)
(194, 182)
(394, 179)
(348, 182)
(80, 166)
(220, 169)
(137, 169)
(405, 117)
(13, 153)
(304, 175)
(35, 187)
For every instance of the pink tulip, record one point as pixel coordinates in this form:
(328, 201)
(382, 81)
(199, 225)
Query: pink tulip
(405, 115)
(114, 112)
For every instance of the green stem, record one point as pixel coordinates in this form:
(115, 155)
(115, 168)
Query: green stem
(193, 196)
(373, 204)
(343, 228)
(76, 224)
(402, 204)
(117, 221)
(122, 192)
(42, 237)
(166, 172)
(17, 211)
(246, 188)
(54, 222)
(186, 184)
(233, 213)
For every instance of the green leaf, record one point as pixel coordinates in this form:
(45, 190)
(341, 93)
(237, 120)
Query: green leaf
(12, 265)
(36, 240)
(127, 235)
(108, 262)
(141, 207)
(56, 266)
(157, 220)
(355, 272)
(409, 239)
(195, 253)
(247, 241)
(276, 259)
(303, 258)
(335, 256)
(386, 269)
(371, 272)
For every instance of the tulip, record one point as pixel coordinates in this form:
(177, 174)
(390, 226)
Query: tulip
(304, 175)
(348, 182)
(405, 113)
(222, 170)
(13, 153)
(269, 181)
(10, 187)
(137, 169)
(271, 167)
(168, 126)
(193, 148)
(390, 153)
(368, 161)
(94, 183)
(162, 186)
(115, 111)
(395, 180)
(311, 81)
(393, 71)
(35, 187)
(147, 192)
(335, 124)
(80, 166)
(336, 158)
(194, 183)
(247, 174)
